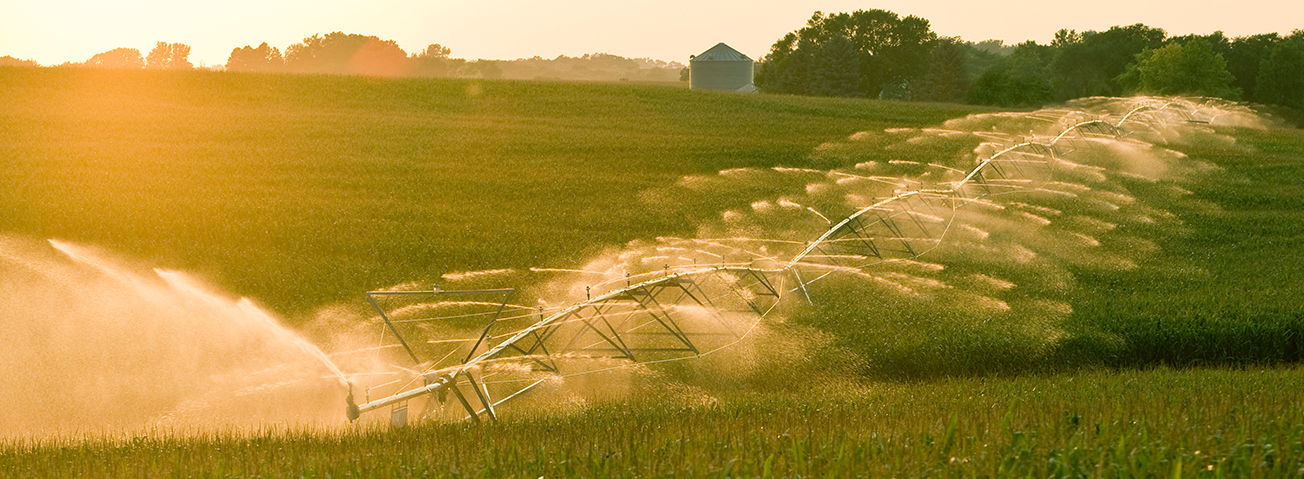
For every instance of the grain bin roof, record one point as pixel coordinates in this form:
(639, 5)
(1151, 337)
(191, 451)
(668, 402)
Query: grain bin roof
(721, 53)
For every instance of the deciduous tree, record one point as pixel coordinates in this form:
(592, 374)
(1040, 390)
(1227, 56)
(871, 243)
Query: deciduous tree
(352, 53)
(1177, 69)
(8, 61)
(1244, 56)
(169, 56)
(1087, 64)
(1281, 75)
(892, 50)
(434, 61)
(128, 58)
(265, 58)
(1022, 79)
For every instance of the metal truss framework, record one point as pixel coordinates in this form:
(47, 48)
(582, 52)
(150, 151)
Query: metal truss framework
(691, 311)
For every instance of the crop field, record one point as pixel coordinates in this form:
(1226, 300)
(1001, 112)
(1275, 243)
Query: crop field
(1150, 324)
(302, 190)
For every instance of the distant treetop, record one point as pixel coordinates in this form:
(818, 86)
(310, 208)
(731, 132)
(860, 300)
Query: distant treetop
(169, 56)
(8, 61)
(118, 58)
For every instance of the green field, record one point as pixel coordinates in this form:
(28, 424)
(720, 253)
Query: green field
(303, 192)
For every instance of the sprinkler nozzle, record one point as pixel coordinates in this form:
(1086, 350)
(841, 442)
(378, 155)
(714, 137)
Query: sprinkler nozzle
(352, 410)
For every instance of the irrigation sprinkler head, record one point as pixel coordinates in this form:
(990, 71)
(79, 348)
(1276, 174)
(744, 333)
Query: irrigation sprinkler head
(440, 383)
(352, 410)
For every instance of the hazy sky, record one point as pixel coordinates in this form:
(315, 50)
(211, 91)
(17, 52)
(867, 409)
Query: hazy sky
(55, 31)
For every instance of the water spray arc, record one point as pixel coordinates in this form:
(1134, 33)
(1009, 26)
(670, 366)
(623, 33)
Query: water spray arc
(906, 225)
(690, 310)
(643, 322)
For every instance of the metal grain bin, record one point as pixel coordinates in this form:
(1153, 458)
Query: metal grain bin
(720, 68)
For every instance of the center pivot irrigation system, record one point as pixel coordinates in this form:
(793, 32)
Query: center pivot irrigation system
(692, 310)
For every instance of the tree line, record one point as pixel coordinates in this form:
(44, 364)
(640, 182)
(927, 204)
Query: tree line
(865, 53)
(341, 53)
(878, 54)
(355, 54)
(164, 56)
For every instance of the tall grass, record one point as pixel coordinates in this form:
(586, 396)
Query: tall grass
(1160, 422)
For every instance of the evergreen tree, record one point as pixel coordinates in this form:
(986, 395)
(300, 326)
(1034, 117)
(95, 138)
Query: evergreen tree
(947, 79)
(797, 71)
(769, 71)
(836, 69)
